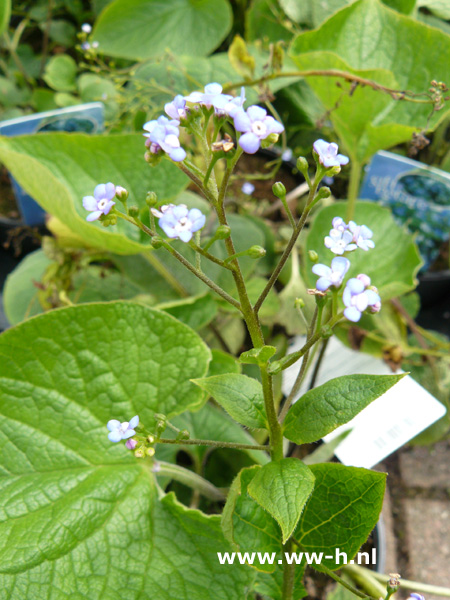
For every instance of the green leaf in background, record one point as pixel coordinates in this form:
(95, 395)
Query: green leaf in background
(367, 121)
(222, 363)
(58, 169)
(282, 488)
(265, 21)
(60, 73)
(324, 408)
(81, 515)
(440, 8)
(196, 311)
(140, 29)
(393, 263)
(270, 585)
(341, 512)
(239, 395)
(246, 525)
(5, 13)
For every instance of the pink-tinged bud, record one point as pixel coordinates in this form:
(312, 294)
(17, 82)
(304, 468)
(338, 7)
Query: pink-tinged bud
(364, 278)
(131, 444)
(374, 308)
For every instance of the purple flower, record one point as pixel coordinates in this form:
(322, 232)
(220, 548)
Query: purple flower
(101, 202)
(248, 188)
(179, 221)
(163, 135)
(131, 444)
(340, 241)
(85, 46)
(328, 154)
(256, 126)
(357, 297)
(177, 108)
(121, 431)
(212, 96)
(361, 235)
(331, 277)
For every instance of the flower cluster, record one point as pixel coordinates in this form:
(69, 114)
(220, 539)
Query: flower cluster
(162, 135)
(177, 221)
(346, 238)
(359, 296)
(101, 202)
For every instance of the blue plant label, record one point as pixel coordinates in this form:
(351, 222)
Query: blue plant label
(85, 118)
(417, 195)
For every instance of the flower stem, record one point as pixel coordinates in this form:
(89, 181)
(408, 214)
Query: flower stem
(213, 443)
(189, 478)
(288, 574)
(410, 585)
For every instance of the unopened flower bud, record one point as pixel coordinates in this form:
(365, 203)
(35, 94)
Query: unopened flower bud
(151, 199)
(223, 232)
(299, 303)
(150, 452)
(121, 193)
(313, 256)
(326, 332)
(279, 190)
(150, 439)
(157, 242)
(131, 444)
(183, 435)
(324, 192)
(269, 140)
(302, 165)
(133, 211)
(365, 279)
(139, 453)
(394, 583)
(256, 252)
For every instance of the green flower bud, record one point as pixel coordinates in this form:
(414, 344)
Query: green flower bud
(299, 303)
(183, 435)
(139, 453)
(302, 166)
(157, 242)
(270, 139)
(151, 199)
(150, 452)
(223, 232)
(313, 256)
(121, 193)
(324, 192)
(133, 211)
(256, 252)
(279, 190)
(150, 439)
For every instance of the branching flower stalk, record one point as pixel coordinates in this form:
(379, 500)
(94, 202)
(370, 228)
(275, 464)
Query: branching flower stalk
(254, 129)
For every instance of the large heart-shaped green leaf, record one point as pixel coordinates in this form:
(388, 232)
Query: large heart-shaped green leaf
(392, 264)
(139, 29)
(342, 511)
(110, 360)
(80, 517)
(374, 42)
(58, 169)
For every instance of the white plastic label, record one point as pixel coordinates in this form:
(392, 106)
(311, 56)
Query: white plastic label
(387, 423)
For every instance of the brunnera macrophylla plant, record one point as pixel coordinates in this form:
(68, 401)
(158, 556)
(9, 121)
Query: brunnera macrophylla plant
(95, 398)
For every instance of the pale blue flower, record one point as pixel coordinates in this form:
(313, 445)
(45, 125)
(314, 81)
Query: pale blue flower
(179, 221)
(86, 28)
(361, 236)
(101, 202)
(328, 154)
(287, 155)
(415, 596)
(256, 125)
(357, 297)
(340, 241)
(248, 188)
(333, 276)
(163, 134)
(85, 46)
(233, 105)
(212, 96)
(177, 108)
(122, 431)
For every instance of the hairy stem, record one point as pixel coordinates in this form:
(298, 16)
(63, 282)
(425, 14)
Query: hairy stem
(213, 443)
(190, 479)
